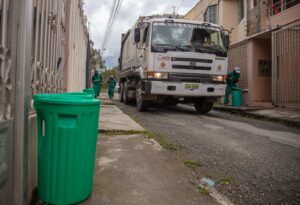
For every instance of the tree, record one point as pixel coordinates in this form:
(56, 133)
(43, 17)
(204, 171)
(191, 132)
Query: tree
(96, 59)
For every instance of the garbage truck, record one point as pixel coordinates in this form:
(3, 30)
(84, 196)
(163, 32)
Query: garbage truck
(173, 60)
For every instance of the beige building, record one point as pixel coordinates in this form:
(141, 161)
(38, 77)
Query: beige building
(265, 43)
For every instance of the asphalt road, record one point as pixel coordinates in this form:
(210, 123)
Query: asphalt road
(252, 161)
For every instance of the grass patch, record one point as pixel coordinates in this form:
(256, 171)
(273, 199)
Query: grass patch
(161, 139)
(150, 135)
(135, 119)
(225, 181)
(203, 190)
(192, 164)
(121, 132)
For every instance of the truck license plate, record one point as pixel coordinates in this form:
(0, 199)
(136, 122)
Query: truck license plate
(191, 86)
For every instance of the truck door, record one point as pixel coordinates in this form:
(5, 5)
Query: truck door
(143, 54)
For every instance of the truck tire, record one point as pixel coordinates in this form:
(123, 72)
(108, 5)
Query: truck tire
(121, 99)
(125, 93)
(141, 105)
(203, 107)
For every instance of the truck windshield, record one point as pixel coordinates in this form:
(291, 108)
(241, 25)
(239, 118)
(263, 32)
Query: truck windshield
(188, 37)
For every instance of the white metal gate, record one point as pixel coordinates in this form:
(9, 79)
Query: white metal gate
(48, 48)
(8, 38)
(286, 66)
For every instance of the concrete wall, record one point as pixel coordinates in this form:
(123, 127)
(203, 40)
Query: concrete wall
(228, 14)
(262, 85)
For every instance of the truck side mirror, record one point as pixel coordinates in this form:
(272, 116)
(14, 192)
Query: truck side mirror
(226, 40)
(137, 35)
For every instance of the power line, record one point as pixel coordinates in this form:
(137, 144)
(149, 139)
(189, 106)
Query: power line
(179, 6)
(112, 19)
(109, 23)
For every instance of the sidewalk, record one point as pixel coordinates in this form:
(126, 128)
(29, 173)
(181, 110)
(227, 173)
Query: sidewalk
(131, 169)
(284, 115)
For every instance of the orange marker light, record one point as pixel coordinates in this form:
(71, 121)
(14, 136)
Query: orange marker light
(162, 64)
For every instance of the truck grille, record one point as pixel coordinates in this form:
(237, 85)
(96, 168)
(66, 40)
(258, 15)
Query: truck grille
(186, 77)
(192, 63)
(191, 60)
(190, 67)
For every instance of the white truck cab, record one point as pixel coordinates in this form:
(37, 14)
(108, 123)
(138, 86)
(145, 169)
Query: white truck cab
(173, 60)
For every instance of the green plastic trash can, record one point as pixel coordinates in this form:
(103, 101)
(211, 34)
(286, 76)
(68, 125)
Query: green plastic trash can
(67, 138)
(237, 97)
(90, 91)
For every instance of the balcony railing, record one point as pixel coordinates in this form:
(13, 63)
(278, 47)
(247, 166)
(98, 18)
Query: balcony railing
(282, 5)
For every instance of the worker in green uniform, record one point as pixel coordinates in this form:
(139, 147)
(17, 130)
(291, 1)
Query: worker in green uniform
(231, 82)
(111, 86)
(97, 80)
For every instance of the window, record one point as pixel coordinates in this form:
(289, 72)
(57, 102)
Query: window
(211, 14)
(280, 5)
(145, 37)
(186, 37)
(240, 10)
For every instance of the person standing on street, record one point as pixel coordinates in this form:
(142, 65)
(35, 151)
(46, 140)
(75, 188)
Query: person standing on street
(231, 82)
(111, 86)
(97, 80)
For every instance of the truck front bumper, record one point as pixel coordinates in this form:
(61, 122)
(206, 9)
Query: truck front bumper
(183, 89)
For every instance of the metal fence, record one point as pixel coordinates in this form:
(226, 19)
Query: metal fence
(286, 66)
(48, 48)
(8, 87)
(33, 46)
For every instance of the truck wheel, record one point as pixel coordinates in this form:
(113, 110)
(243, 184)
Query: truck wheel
(125, 95)
(121, 99)
(141, 105)
(203, 107)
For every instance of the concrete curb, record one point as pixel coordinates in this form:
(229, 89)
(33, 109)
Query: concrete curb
(248, 112)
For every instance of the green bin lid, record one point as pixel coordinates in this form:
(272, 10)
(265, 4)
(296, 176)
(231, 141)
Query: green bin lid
(89, 89)
(66, 98)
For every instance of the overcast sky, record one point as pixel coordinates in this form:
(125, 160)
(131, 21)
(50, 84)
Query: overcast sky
(98, 14)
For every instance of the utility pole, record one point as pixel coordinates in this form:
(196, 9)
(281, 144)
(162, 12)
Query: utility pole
(174, 9)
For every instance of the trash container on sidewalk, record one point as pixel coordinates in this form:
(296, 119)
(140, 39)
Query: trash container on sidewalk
(90, 91)
(236, 97)
(67, 138)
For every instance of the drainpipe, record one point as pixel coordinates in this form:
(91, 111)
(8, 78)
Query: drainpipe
(218, 12)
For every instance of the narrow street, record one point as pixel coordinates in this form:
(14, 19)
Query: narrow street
(66, 138)
(251, 161)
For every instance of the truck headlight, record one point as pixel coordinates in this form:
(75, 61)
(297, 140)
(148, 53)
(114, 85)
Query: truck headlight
(218, 78)
(157, 75)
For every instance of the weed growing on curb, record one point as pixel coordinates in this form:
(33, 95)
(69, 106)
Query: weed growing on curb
(203, 190)
(150, 135)
(225, 181)
(121, 132)
(162, 141)
(192, 164)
